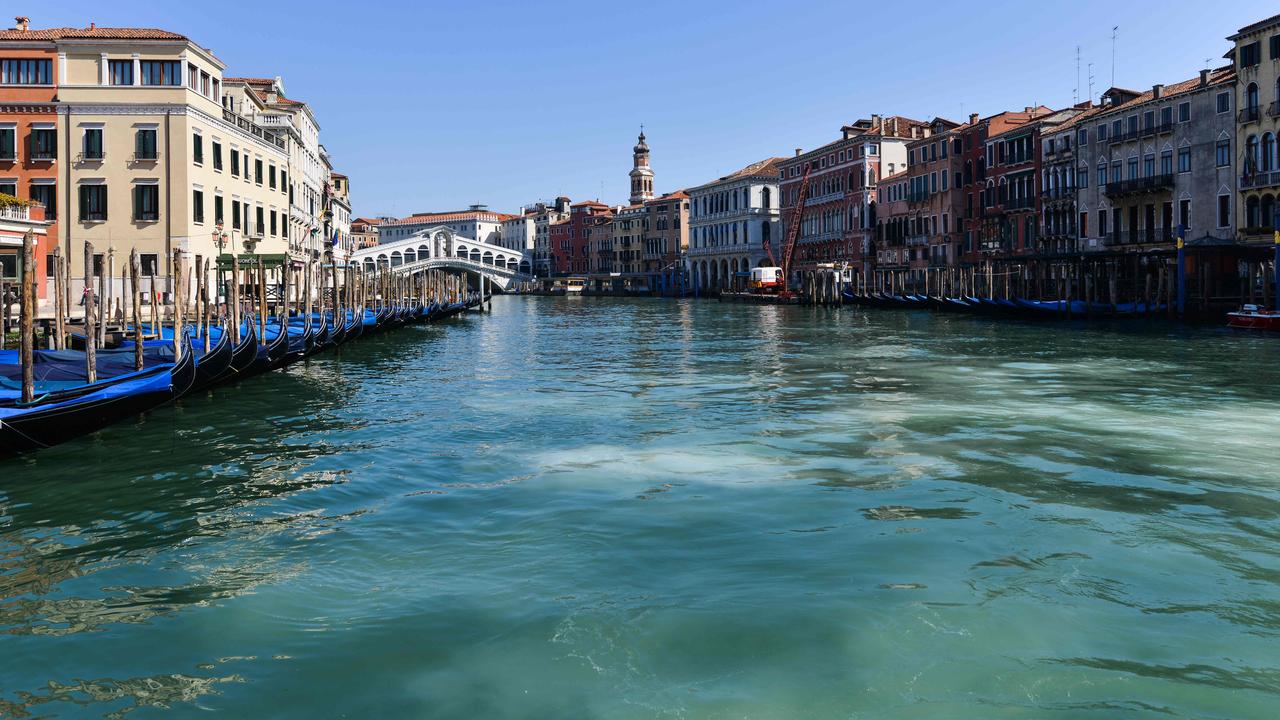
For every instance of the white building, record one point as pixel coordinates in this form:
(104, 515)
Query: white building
(478, 223)
(729, 221)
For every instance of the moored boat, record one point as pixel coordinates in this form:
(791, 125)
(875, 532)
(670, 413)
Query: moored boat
(1252, 317)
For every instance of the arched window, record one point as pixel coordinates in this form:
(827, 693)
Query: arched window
(765, 198)
(1251, 154)
(1268, 161)
(1251, 98)
(1252, 212)
(1268, 212)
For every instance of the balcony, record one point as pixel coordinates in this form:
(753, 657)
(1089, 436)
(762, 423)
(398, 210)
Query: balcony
(1250, 115)
(916, 240)
(15, 212)
(1024, 203)
(1137, 186)
(1058, 193)
(1274, 109)
(44, 155)
(252, 128)
(829, 197)
(1158, 129)
(1144, 236)
(1057, 233)
(1260, 180)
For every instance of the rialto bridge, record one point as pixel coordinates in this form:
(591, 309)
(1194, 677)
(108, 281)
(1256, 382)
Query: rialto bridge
(439, 248)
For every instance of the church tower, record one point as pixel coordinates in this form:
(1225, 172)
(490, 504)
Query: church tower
(641, 173)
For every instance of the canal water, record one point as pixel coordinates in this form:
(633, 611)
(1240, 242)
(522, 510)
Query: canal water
(601, 508)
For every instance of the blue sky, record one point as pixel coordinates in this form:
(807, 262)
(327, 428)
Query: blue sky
(437, 105)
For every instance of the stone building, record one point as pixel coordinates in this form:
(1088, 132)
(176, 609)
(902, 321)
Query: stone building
(1256, 57)
(1149, 162)
(934, 197)
(730, 221)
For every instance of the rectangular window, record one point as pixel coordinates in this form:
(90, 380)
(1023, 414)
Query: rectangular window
(216, 148)
(235, 214)
(273, 222)
(93, 143)
(93, 203)
(1184, 159)
(1133, 168)
(9, 187)
(284, 183)
(144, 144)
(1166, 162)
(1251, 54)
(120, 72)
(1102, 133)
(257, 171)
(146, 203)
(217, 210)
(258, 218)
(161, 72)
(945, 178)
(1082, 178)
(1224, 102)
(1083, 230)
(1149, 119)
(1224, 211)
(1184, 213)
(1115, 172)
(1166, 116)
(1184, 112)
(8, 143)
(197, 207)
(44, 144)
(197, 148)
(271, 177)
(235, 163)
(45, 195)
(1223, 153)
(26, 72)
(150, 263)
(1082, 137)
(1148, 166)
(1275, 47)
(1102, 223)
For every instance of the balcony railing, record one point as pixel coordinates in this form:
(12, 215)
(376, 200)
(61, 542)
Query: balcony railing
(1142, 236)
(1064, 231)
(1023, 203)
(44, 155)
(914, 240)
(1058, 193)
(1135, 186)
(1250, 114)
(1260, 180)
(1159, 128)
(15, 212)
(1274, 110)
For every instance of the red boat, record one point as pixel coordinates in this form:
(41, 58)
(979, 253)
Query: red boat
(1254, 318)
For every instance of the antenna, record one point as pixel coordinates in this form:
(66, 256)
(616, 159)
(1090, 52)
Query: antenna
(1115, 32)
(1075, 97)
(1091, 82)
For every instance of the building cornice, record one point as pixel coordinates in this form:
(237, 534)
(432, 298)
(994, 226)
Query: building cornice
(162, 109)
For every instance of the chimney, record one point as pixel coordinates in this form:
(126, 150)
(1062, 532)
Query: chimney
(798, 151)
(1204, 77)
(973, 118)
(1157, 91)
(93, 26)
(875, 120)
(23, 23)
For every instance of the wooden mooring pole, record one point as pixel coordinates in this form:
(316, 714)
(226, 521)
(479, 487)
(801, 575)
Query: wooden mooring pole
(26, 321)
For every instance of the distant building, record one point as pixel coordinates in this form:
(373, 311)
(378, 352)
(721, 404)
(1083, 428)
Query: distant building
(477, 223)
(570, 238)
(667, 237)
(630, 222)
(529, 231)
(730, 221)
(894, 227)
(934, 198)
(364, 232)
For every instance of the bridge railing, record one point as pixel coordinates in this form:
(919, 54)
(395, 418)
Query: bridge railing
(459, 263)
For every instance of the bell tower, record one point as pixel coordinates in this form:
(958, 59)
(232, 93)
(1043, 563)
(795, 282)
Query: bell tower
(641, 173)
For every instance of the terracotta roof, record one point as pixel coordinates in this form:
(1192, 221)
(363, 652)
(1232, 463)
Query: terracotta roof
(585, 203)
(368, 221)
(763, 168)
(91, 33)
(901, 174)
(676, 195)
(1255, 26)
(1217, 76)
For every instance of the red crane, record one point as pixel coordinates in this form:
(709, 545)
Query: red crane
(793, 231)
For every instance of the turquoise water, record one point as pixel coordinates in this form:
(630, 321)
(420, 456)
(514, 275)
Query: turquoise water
(650, 509)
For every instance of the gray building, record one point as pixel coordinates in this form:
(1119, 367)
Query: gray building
(730, 219)
(1148, 162)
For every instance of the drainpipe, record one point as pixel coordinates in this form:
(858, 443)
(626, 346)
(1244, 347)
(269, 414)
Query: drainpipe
(66, 208)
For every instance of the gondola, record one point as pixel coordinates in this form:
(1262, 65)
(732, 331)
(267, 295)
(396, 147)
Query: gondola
(49, 421)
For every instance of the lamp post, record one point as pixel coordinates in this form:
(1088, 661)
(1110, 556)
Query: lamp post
(220, 238)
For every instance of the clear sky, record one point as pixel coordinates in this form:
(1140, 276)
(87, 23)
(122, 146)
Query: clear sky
(437, 105)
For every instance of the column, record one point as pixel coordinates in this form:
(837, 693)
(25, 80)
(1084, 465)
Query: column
(104, 77)
(137, 70)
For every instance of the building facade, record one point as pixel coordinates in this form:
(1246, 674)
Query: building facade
(731, 219)
(630, 223)
(667, 237)
(1149, 162)
(838, 224)
(477, 222)
(570, 239)
(1256, 57)
(934, 197)
(641, 173)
